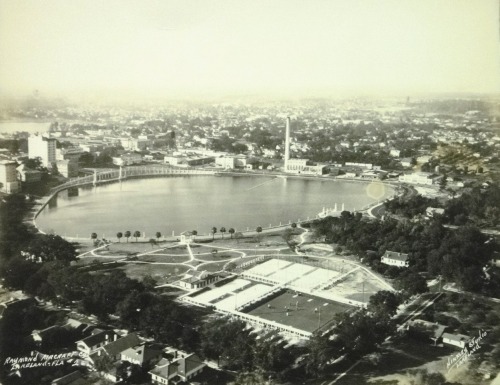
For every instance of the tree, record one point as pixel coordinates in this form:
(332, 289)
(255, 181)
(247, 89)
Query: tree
(214, 230)
(47, 247)
(152, 241)
(194, 233)
(231, 231)
(137, 234)
(127, 235)
(412, 283)
(294, 225)
(119, 235)
(384, 303)
(222, 231)
(230, 340)
(158, 235)
(93, 236)
(238, 235)
(258, 229)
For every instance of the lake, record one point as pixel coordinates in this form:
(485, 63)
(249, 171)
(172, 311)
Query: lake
(199, 203)
(31, 127)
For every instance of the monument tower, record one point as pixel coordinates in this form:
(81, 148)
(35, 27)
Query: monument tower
(287, 142)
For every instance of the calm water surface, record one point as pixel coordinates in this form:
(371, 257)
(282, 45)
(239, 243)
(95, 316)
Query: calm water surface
(31, 127)
(197, 203)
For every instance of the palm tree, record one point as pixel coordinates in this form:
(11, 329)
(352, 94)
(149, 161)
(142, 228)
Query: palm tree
(214, 230)
(137, 234)
(231, 231)
(222, 231)
(119, 235)
(127, 235)
(158, 235)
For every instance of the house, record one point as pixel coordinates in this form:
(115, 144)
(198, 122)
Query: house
(432, 211)
(97, 340)
(179, 369)
(142, 354)
(73, 378)
(39, 335)
(432, 330)
(116, 348)
(197, 279)
(393, 258)
(458, 340)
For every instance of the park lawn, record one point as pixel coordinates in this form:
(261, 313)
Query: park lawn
(161, 273)
(91, 260)
(221, 255)
(126, 248)
(212, 267)
(163, 258)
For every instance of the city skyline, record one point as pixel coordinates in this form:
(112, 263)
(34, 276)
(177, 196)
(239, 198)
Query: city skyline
(192, 48)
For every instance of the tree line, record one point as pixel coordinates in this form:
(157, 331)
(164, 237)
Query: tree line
(458, 255)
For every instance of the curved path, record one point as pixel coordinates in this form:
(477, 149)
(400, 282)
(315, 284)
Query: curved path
(193, 262)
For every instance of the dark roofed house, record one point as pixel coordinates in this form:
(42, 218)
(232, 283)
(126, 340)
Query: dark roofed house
(197, 279)
(393, 258)
(94, 342)
(178, 370)
(73, 378)
(432, 330)
(114, 349)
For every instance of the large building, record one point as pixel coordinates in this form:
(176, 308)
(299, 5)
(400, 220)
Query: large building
(424, 178)
(8, 177)
(44, 148)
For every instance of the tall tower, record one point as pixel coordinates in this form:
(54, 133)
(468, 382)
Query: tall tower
(287, 142)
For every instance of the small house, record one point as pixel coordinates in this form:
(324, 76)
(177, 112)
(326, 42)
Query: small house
(458, 340)
(179, 369)
(393, 258)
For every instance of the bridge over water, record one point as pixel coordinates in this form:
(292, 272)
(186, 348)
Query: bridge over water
(116, 175)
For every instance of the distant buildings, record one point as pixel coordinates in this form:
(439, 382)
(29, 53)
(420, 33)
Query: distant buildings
(44, 148)
(8, 177)
(299, 166)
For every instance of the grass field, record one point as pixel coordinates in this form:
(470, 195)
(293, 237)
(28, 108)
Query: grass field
(302, 316)
(161, 273)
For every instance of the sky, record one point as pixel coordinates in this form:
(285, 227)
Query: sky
(188, 47)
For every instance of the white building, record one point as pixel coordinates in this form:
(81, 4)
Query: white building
(67, 168)
(8, 177)
(43, 148)
(425, 178)
(458, 340)
(127, 159)
(395, 259)
(225, 162)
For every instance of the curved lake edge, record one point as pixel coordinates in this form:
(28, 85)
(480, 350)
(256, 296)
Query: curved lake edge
(217, 173)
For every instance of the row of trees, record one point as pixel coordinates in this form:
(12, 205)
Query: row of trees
(231, 231)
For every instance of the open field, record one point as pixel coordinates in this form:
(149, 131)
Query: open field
(161, 273)
(301, 310)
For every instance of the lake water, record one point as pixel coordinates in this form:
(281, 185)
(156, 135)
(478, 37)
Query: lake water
(31, 127)
(199, 203)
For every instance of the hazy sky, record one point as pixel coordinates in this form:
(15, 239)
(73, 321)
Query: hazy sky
(191, 47)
